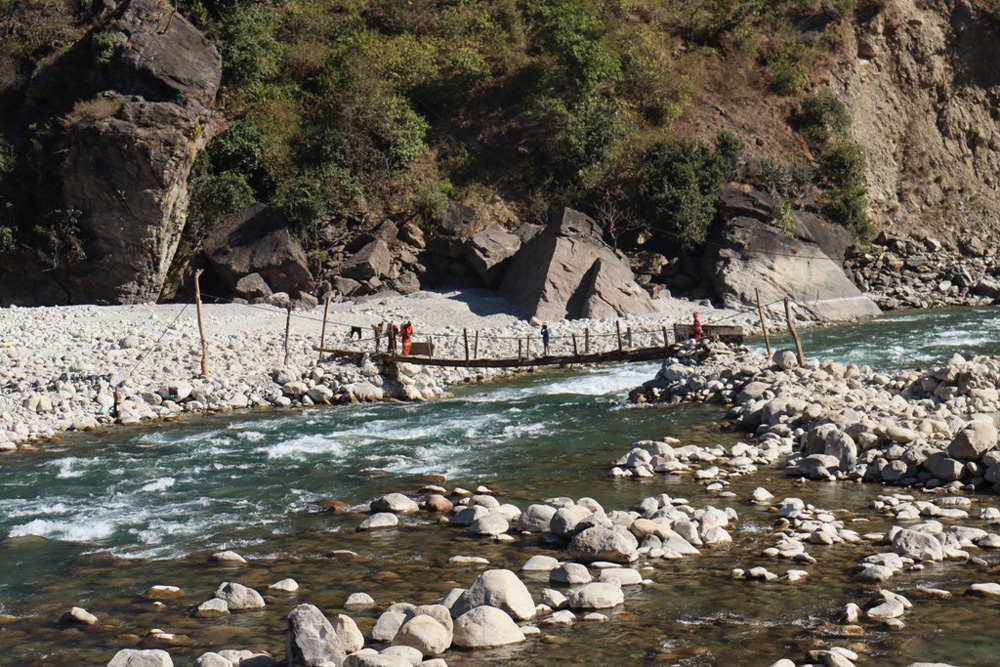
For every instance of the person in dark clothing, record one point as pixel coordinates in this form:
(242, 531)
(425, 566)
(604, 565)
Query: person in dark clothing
(393, 333)
(355, 333)
(545, 339)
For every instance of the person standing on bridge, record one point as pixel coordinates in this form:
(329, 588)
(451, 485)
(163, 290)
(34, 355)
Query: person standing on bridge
(545, 339)
(393, 331)
(407, 334)
(696, 329)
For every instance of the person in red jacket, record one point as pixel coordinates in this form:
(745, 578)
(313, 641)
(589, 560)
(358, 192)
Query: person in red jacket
(696, 328)
(407, 336)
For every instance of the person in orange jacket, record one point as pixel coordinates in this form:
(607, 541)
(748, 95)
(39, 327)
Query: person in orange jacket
(407, 336)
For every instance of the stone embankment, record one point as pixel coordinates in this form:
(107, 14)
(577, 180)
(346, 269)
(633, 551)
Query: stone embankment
(931, 428)
(906, 273)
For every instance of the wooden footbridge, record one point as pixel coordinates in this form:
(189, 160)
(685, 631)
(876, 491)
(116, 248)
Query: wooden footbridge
(617, 347)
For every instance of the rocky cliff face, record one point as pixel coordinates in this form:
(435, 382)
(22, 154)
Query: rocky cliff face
(132, 130)
(924, 93)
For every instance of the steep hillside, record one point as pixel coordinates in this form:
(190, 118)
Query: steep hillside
(341, 115)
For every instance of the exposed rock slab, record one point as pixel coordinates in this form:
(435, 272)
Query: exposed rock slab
(567, 271)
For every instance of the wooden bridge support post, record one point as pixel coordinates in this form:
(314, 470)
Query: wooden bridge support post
(586, 340)
(576, 352)
(628, 336)
(519, 351)
(288, 327)
(666, 338)
(795, 334)
(201, 325)
(465, 335)
(618, 330)
(763, 323)
(322, 335)
(475, 346)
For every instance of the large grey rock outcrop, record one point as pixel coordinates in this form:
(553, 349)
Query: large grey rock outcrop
(746, 254)
(258, 240)
(488, 252)
(311, 639)
(128, 148)
(567, 271)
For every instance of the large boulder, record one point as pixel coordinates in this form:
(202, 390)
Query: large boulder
(131, 657)
(131, 130)
(259, 240)
(746, 254)
(600, 543)
(486, 627)
(424, 633)
(239, 597)
(488, 251)
(372, 261)
(975, 439)
(497, 588)
(917, 545)
(311, 640)
(567, 271)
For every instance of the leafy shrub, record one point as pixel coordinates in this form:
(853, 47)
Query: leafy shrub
(788, 76)
(731, 147)
(842, 169)
(824, 117)
(791, 180)
(215, 196)
(676, 180)
(103, 47)
(781, 215)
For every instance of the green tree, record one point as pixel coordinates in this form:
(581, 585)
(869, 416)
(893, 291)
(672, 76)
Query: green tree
(676, 181)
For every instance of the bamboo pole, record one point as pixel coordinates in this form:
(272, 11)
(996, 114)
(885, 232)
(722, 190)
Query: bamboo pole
(618, 330)
(288, 327)
(576, 353)
(465, 334)
(520, 345)
(322, 335)
(201, 325)
(763, 323)
(586, 340)
(475, 346)
(795, 334)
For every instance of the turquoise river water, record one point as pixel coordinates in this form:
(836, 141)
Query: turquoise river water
(96, 519)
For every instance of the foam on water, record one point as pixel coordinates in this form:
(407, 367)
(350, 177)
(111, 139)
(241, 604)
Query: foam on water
(161, 484)
(303, 446)
(75, 530)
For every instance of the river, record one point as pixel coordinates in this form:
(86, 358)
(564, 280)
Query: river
(97, 519)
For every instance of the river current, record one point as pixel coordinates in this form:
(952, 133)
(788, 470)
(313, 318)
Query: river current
(98, 518)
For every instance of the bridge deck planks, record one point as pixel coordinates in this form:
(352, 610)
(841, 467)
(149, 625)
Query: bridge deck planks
(627, 355)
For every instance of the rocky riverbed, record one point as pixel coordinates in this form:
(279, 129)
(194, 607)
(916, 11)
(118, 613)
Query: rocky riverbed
(62, 366)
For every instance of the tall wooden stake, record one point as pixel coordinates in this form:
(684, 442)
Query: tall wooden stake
(763, 323)
(322, 336)
(666, 339)
(628, 336)
(520, 344)
(201, 325)
(288, 327)
(465, 334)
(586, 340)
(475, 346)
(576, 353)
(795, 335)
(618, 330)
